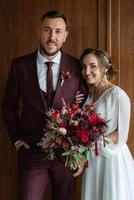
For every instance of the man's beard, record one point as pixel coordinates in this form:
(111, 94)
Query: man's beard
(43, 51)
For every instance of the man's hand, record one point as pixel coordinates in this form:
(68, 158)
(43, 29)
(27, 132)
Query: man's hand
(78, 172)
(20, 143)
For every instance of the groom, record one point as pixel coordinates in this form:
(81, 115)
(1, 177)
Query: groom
(28, 81)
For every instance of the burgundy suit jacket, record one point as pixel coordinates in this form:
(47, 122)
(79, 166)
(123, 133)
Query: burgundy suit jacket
(28, 123)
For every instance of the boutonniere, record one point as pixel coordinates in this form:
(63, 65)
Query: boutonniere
(65, 76)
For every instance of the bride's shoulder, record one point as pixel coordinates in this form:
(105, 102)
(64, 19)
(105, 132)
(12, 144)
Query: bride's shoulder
(116, 91)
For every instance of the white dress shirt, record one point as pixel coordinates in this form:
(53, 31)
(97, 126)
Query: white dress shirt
(42, 70)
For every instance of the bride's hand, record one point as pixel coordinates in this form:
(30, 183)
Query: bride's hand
(78, 172)
(79, 97)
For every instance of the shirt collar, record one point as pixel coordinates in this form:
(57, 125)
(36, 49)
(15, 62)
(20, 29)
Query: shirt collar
(41, 59)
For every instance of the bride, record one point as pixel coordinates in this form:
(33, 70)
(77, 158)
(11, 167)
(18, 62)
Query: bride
(110, 176)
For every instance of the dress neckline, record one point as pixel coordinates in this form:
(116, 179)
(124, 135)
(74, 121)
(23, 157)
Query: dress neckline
(96, 101)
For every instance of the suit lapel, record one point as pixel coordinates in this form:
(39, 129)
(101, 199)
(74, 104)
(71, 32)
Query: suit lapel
(64, 67)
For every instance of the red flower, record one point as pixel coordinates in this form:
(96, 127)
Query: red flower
(74, 130)
(94, 119)
(89, 108)
(71, 113)
(65, 76)
(84, 135)
(75, 106)
(63, 124)
(55, 115)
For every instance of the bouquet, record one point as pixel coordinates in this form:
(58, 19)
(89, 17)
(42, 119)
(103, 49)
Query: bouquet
(76, 131)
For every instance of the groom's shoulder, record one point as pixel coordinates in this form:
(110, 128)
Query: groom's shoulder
(26, 57)
(70, 58)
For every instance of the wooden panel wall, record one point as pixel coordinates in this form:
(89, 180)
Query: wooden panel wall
(106, 24)
(127, 58)
(120, 40)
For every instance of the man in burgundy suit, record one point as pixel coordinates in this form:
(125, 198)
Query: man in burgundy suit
(28, 81)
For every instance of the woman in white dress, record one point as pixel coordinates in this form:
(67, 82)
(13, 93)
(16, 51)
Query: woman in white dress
(110, 175)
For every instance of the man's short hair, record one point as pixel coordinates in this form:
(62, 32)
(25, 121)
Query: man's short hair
(54, 14)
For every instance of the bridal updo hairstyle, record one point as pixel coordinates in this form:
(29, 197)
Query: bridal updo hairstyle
(104, 60)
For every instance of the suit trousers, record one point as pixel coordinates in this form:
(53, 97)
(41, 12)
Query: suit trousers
(34, 172)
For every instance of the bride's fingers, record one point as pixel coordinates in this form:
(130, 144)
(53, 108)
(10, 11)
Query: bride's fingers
(79, 95)
(79, 101)
(78, 92)
(79, 98)
(78, 172)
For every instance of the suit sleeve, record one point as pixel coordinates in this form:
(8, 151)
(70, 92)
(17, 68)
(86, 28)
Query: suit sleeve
(10, 106)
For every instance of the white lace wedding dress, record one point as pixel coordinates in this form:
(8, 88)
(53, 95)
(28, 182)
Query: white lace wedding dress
(110, 176)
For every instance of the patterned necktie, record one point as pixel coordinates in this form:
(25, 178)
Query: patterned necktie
(49, 81)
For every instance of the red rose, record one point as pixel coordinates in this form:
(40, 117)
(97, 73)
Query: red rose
(56, 115)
